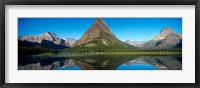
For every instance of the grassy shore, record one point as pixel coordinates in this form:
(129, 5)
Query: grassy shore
(127, 53)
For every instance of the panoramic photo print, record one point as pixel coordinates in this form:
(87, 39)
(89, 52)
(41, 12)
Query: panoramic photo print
(99, 43)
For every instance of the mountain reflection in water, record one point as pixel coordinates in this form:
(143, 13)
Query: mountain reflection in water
(100, 62)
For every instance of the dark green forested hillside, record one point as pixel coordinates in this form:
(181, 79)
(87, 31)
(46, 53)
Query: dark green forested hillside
(27, 50)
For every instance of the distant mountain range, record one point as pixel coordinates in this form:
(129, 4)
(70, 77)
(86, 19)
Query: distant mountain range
(99, 37)
(166, 39)
(136, 43)
(47, 40)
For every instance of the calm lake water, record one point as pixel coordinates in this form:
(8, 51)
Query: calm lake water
(98, 62)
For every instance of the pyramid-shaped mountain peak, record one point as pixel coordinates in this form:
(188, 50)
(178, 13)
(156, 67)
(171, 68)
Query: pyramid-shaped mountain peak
(98, 29)
(99, 20)
(100, 35)
(99, 24)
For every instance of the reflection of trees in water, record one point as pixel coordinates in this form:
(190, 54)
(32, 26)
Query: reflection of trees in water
(107, 62)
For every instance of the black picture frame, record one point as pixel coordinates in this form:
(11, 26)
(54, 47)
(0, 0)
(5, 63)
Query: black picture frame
(98, 2)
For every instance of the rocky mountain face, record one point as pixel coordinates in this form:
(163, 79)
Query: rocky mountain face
(166, 39)
(100, 35)
(45, 36)
(164, 33)
(46, 39)
(136, 44)
(98, 29)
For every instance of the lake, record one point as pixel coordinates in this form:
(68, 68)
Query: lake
(98, 62)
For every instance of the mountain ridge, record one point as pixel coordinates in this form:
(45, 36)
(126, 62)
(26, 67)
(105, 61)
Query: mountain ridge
(48, 36)
(164, 33)
(166, 39)
(99, 37)
(136, 43)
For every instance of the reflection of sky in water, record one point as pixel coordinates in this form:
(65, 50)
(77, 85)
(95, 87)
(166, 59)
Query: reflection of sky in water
(71, 68)
(136, 67)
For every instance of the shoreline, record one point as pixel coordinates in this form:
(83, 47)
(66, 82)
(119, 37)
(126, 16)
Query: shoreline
(125, 53)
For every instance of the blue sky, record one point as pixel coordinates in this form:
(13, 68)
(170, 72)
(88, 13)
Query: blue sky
(134, 29)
